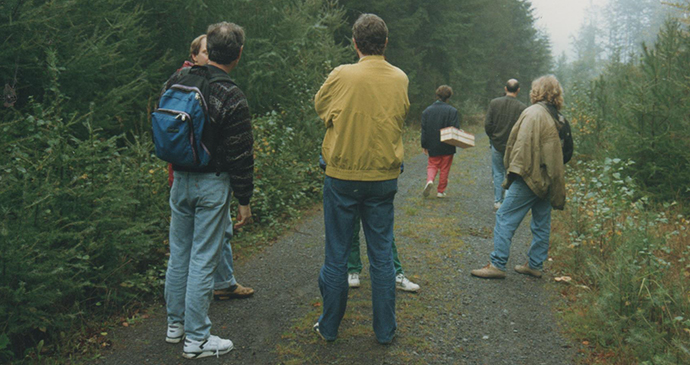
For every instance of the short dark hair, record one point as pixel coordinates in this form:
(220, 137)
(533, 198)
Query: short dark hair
(444, 92)
(224, 42)
(370, 33)
(512, 86)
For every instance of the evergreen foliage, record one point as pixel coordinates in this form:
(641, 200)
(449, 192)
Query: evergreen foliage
(624, 235)
(639, 111)
(84, 204)
(473, 46)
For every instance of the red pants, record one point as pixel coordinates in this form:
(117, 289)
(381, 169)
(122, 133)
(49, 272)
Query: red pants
(442, 163)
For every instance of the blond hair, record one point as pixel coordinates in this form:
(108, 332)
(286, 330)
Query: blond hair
(195, 47)
(547, 89)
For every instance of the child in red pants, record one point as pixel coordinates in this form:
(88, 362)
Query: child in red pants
(437, 116)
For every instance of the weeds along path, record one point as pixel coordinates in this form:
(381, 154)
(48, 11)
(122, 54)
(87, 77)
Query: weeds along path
(454, 319)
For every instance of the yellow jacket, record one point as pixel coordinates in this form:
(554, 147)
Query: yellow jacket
(364, 106)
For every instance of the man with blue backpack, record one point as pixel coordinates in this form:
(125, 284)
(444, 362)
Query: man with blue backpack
(203, 127)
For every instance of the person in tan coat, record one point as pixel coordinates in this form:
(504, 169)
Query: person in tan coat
(534, 179)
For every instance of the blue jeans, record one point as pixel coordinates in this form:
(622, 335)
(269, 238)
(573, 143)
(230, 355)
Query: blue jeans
(343, 201)
(199, 204)
(224, 276)
(354, 263)
(519, 200)
(498, 173)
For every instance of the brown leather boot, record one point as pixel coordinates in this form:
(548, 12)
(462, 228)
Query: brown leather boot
(526, 270)
(489, 272)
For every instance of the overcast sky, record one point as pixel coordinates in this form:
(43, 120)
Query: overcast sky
(561, 19)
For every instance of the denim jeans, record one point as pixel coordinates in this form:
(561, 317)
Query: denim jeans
(498, 173)
(343, 201)
(199, 204)
(224, 276)
(519, 200)
(354, 262)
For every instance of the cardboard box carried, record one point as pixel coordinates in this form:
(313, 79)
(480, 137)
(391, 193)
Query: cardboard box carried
(457, 137)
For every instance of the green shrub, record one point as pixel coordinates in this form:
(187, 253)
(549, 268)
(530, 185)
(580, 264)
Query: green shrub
(630, 262)
(287, 176)
(640, 111)
(83, 224)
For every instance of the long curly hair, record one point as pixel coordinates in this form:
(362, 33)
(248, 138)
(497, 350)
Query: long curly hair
(547, 89)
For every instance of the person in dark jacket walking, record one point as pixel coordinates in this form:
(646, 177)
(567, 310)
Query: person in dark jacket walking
(500, 118)
(437, 116)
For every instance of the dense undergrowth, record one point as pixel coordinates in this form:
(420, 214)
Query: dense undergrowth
(623, 239)
(83, 201)
(85, 221)
(626, 261)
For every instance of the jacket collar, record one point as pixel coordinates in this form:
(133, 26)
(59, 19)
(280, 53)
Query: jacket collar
(372, 58)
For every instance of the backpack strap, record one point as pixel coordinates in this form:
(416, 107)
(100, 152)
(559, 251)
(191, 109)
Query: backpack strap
(563, 129)
(184, 71)
(554, 114)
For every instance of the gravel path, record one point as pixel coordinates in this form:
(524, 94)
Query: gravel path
(454, 319)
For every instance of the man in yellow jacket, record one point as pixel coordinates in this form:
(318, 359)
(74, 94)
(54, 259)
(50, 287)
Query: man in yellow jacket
(364, 106)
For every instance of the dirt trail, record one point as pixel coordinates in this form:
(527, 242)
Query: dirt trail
(454, 319)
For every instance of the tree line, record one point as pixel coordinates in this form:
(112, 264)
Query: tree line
(628, 91)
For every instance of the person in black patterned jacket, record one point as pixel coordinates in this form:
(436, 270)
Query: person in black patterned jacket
(200, 199)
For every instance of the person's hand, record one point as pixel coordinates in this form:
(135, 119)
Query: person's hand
(244, 216)
(426, 152)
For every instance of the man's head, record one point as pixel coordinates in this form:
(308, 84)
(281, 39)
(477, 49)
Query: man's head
(512, 86)
(444, 92)
(547, 89)
(370, 34)
(224, 42)
(197, 50)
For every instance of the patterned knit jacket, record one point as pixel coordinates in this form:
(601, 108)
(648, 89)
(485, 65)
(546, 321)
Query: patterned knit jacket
(234, 151)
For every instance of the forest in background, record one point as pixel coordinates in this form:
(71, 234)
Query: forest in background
(622, 246)
(83, 202)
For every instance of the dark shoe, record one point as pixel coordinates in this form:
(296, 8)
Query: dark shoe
(386, 343)
(238, 292)
(526, 270)
(489, 272)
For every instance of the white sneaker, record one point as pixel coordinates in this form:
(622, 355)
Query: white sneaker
(441, 195)
(497, 205)
(175, 333)
(403, 283)
(353, 280)
(213, 345)
(427, 188)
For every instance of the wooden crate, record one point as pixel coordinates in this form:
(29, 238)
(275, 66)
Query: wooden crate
(457, 137)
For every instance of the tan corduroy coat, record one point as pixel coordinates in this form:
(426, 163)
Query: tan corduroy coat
(534, 152)
(364, 106)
